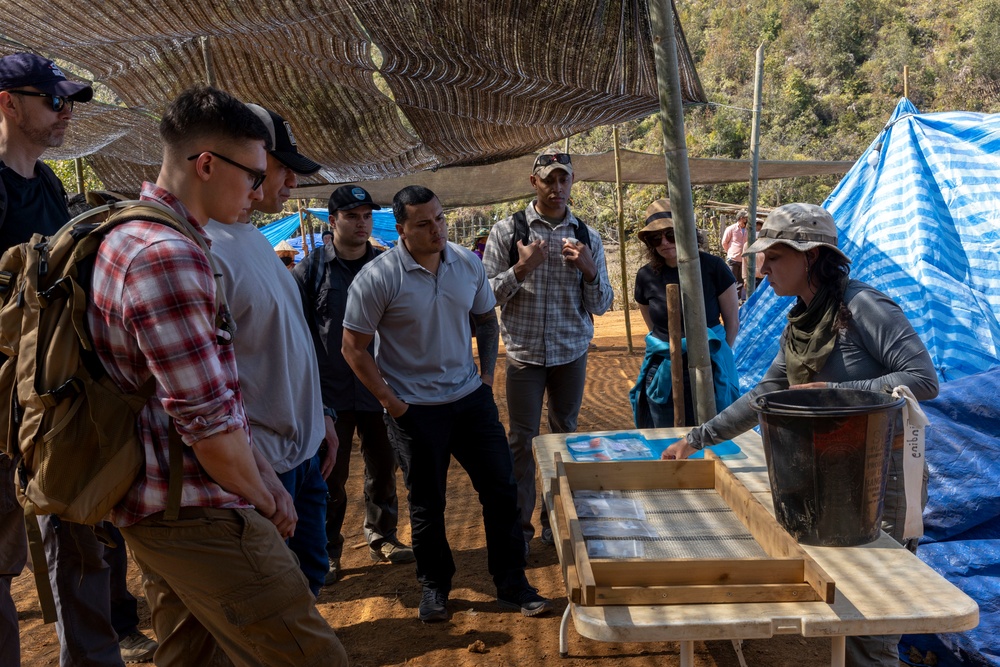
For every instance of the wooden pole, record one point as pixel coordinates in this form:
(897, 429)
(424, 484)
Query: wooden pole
(621, 238)
(206, 56)
(302, 229)
(81, 182)
(676, 356)
(906, 81)
(661, 16)
(758, 87)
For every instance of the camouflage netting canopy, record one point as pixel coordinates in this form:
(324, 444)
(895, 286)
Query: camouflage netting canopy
(372, 89)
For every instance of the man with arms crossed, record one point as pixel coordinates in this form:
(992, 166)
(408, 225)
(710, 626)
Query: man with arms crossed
(219, 574)
(418, 297)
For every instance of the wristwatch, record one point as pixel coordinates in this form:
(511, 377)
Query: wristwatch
(330, 412)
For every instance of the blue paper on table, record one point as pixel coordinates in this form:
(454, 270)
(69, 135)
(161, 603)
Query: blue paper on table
(727, 450)
(625, 446)
(633, 446)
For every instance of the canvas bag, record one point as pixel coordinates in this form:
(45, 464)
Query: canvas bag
(68, 424)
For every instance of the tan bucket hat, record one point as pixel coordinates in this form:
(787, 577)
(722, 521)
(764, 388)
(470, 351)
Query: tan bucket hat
(800, 226)
(658, 218)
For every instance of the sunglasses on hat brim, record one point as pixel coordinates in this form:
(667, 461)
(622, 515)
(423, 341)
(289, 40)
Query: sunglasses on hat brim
(546, 160)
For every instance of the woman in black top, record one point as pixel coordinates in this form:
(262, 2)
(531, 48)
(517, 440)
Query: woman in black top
(651, 397)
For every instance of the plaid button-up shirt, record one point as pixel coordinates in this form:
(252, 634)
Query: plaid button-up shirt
(546, 319)
(153, 313)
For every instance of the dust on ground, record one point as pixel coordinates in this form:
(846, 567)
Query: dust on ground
(374, 606)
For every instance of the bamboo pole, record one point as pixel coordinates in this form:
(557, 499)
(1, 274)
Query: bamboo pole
(206, 56)
(661, 16)
(676, 357)
(621, 238)
(302, 229)
(81, 182)
(758, 87)
(906, 81)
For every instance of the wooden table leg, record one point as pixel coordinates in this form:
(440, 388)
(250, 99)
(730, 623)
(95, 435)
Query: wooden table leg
(687, 653)
(838, 648)
(563, 630)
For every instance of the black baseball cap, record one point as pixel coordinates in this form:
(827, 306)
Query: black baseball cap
(27, 69)
(283, 146)
(350, 196)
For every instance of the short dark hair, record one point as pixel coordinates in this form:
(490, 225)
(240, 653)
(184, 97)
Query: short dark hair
(326, 232)
(203, 111)
(411, 195)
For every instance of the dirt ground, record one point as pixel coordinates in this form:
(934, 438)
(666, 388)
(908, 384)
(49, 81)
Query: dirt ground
(374, 607)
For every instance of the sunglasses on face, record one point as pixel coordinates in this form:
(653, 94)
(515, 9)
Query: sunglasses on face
(657, 237)
(546, 160)
(258, 176)
(59, 102)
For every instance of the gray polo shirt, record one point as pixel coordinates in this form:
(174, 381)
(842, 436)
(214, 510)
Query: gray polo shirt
(423, 343)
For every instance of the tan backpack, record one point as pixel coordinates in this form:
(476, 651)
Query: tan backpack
(69, 428)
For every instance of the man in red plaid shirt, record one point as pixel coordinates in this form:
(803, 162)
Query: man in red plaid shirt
(220, 574)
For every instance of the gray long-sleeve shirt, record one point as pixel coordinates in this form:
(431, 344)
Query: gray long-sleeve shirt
(878, 350)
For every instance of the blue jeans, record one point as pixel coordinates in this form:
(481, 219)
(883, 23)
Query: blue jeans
(425, 438)
(93, 605)
(307, 487)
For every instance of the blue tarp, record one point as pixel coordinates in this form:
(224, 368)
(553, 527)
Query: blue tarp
(919, 214)
(923, 226)
(287, 229)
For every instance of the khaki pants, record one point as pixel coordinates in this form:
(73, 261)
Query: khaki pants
(225, 577)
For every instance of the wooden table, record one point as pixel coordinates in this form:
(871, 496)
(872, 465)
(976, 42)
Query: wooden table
(881, 588)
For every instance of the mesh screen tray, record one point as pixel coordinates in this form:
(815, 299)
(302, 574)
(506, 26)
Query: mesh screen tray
(696, 535)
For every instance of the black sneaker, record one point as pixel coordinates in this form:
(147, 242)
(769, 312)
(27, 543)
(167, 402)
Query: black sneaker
(526, 599)
(432, 606)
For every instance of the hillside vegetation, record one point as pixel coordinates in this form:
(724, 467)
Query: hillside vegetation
(833, 73)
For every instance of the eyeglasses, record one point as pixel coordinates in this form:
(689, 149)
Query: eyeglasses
(59, 102)
(546, 160)
(656, 238)
(258, 176)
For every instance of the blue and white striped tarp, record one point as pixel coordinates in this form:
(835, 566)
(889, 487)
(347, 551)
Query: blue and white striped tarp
(919, 215)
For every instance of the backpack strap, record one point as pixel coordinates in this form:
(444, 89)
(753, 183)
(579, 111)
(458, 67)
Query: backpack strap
(131, 211)
(521, 233)
(176, 482)
(39, 565)
(583, 233)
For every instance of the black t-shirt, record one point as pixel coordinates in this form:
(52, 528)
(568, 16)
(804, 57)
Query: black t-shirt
(354, 265)
(32, 207)
(651, 290)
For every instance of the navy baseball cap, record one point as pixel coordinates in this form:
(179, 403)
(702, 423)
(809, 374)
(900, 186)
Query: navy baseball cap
(350, 196)
(283, 146)
(27, 69)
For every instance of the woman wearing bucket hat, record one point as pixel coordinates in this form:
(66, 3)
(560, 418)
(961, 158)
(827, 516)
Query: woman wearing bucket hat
(652, 396)
(841, 333)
